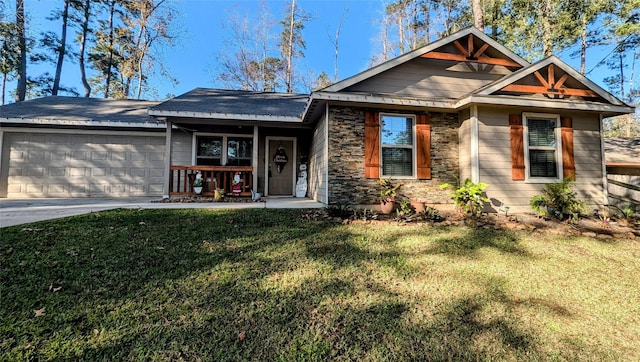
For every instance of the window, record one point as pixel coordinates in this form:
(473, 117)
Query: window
(224, 150)
(398, 140)
(542, 147)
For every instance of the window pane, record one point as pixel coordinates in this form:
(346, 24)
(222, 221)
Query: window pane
(397, 130)
(543, 163)
(542, 132)
(239, 151)
(210, 146)
(397, 161)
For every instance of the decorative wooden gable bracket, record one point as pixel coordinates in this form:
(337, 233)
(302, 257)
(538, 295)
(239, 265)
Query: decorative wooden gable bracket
(469, 54)
(550, 87)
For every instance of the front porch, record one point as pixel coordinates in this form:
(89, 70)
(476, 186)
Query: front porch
(181, 179)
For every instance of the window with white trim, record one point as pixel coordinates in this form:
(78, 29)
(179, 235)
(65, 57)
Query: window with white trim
(543, 152)
(223, 150)
(397, 137)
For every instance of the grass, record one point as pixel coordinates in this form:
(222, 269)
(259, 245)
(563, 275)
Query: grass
(265, 285)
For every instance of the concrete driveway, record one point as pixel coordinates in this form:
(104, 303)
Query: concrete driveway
(24, 211)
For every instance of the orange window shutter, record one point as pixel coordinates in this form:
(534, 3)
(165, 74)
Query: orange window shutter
(517, 147)
(423, 149)
(371, 145)
(568, 162)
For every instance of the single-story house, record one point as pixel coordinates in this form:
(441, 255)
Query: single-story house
(461, 107)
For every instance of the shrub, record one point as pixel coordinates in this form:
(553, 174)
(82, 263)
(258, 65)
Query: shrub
(469, 196)
(340, 210)
(388, 192)
(558, 200)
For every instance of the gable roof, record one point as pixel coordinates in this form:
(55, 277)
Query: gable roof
(234, 104)
(336, 87)
(533, 68)
(80, 111)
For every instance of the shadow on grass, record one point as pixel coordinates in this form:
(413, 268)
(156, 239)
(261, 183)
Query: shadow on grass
(195, 285)
(472, 240)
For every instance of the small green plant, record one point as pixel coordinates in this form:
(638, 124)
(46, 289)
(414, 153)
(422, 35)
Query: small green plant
(469, 196)
(365, 214)
(404, 209)
(340, 210)
(558, 200)
(626, 212)
(429, 213)
(389, 190)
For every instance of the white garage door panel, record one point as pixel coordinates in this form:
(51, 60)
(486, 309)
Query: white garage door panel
(64, 165)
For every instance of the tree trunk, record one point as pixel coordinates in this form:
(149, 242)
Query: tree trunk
(547, 42)
(288, 75)
(21, 90)
(61, 49)
(83, 42)
(478, 14)
(107, 83)
(4, 86)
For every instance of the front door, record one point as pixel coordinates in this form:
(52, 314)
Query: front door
(281, 164)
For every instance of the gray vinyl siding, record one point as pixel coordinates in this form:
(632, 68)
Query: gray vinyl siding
(181, 148)
(495, 159)
(430, 79)
(464, 136)
(318, 162)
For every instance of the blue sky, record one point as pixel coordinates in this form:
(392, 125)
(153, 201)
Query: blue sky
(193, 60)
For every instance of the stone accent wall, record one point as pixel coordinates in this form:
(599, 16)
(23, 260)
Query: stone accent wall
(347, 184)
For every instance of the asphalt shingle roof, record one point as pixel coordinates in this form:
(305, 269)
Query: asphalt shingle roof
(204, 100)
(59, 108)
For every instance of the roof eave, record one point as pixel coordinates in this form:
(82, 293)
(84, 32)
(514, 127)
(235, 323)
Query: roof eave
(380, 99)
(84, 123)
(502, 100)
(226, 116)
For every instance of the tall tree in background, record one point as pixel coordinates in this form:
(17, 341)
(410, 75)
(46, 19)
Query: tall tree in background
(61, 48)
(9, 50)
(21, 89)
(291, 42)
(84, 8)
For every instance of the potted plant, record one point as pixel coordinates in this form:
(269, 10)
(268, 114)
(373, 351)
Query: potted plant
(387, 195)
(218, 194)
(197, 184)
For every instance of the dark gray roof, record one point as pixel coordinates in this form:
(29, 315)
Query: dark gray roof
(78, 110)
(217, 101)
(622, 149)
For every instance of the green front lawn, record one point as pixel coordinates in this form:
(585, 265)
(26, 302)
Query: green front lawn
(257, 284)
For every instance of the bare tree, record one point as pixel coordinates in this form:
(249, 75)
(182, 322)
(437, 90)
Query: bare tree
(335, 42)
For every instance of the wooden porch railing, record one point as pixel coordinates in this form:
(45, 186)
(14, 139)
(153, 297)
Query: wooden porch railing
(182, 177)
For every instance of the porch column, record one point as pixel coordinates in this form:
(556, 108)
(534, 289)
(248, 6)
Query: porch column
(167, 160)
(475, 156)
(254, 158)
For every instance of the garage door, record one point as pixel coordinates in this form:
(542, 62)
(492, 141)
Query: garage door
(81, 165)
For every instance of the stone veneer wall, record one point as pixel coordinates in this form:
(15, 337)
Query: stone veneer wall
(347, 184)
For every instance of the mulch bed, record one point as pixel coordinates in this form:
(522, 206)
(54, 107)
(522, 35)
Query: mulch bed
(586, 226)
